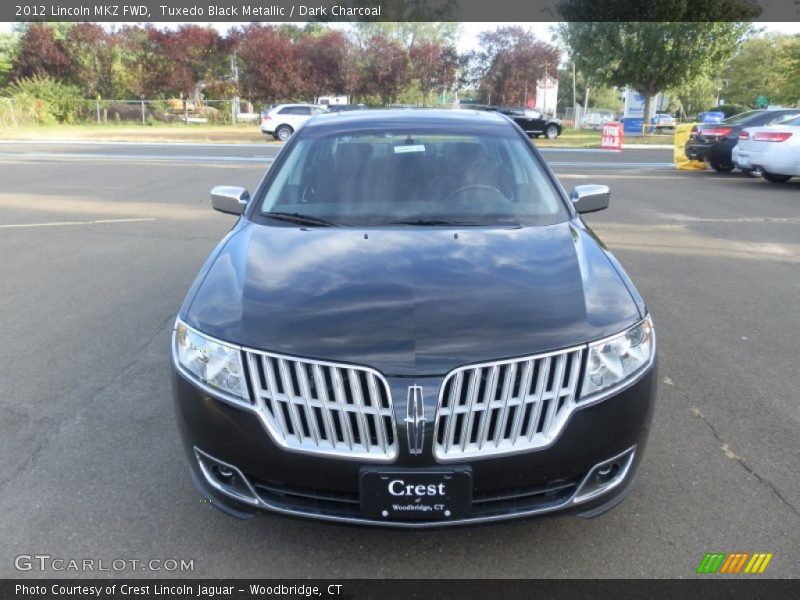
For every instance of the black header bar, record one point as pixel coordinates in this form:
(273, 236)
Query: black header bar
(205, 11)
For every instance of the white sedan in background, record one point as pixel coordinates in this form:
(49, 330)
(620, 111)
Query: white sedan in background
(283, 120)
(772, 150)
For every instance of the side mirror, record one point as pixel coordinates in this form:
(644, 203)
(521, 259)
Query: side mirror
(590, 198)
(231, 200)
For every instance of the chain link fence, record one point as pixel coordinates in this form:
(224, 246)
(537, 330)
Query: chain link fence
(25, 111)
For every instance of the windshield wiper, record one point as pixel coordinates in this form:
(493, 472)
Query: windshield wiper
(425, 222)
(301, 218)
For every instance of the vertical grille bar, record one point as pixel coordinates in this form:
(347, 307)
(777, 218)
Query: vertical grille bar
(322, 396)
(323, 408)
(376, 405)
(338, 393)
(509, 406)
(305, 393)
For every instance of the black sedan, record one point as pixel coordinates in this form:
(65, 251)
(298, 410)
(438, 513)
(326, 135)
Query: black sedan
(714, 142)
(532, 122)
(409, 325)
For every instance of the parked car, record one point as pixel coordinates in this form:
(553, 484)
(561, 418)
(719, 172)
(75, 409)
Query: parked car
(662, 120)
(595, 118)
(283, 120)
(714, 142)
(532, 122)
(772, 151)
(411, 326)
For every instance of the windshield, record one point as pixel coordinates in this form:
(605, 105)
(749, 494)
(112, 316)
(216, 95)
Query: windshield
(414, 177)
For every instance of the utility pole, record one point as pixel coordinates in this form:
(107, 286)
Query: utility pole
(574, 98)
(235, 77)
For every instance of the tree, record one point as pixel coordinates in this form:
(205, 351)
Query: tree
(433, 67)
(90, 52)
(792, 55)
(41, 53)
(194, 54)
(324, 60)
(510, 62)
(652, 56)
(698, 94)
(762, 67)
(9, 43)
(385, 68)
(269, 66)
(409, 33)
(145, 70)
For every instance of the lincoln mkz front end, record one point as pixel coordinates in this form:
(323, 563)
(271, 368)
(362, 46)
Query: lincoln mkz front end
(411, 326)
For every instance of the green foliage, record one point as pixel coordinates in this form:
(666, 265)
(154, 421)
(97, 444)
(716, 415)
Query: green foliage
(765, 65)
(792, 55)
(45, 101)
(697, 94)
(650, 57)
(408, 34)
(9, 42)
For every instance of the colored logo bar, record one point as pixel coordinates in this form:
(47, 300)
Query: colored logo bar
(734, 562)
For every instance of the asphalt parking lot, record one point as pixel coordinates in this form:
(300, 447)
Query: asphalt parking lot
(99, 244)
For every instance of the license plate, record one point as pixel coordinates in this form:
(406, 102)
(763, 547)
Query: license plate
(395, 495)
(744, 159)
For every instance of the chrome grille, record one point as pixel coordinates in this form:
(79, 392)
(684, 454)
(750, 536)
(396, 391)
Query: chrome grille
(323, 408)
(506, 406)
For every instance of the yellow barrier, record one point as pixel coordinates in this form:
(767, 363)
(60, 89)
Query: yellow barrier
(682, 132)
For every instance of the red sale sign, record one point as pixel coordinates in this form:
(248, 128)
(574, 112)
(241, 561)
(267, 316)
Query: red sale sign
(611, 136)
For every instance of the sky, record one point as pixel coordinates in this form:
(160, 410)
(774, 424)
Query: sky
(470, 31)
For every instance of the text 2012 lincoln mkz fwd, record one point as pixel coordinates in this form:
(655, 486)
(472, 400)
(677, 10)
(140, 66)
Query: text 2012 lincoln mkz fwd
(411, 326)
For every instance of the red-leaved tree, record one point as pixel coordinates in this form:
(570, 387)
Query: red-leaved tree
(268, 65)
(385, 68)
(324, 60)
(433, 67)
(41, 53)
(510, 62)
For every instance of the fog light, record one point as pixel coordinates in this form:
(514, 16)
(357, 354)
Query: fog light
(605, 476)
(225, 478)
(223, 473)
(606, 471)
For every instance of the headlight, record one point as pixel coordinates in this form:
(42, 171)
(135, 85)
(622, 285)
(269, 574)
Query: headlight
(615, 360)
(210, 362)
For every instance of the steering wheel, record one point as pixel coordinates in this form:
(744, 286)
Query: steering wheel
(474, 186)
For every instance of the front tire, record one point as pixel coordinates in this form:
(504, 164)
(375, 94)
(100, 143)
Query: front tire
(721, 167)
(551, 132)
(283, 133)
(775, 178)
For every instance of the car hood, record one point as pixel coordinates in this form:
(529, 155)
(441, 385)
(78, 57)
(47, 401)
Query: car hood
(411, 301)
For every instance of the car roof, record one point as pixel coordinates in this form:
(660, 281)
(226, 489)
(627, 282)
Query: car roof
(295, 104)
(404, 117)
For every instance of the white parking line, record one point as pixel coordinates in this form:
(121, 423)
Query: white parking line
(63, 223)
(133, 157)
(144, 144)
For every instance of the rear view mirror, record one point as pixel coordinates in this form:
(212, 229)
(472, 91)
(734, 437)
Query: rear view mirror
(231, 200)
(590, 198)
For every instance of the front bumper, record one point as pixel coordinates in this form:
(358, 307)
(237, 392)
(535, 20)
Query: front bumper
(548, 480)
